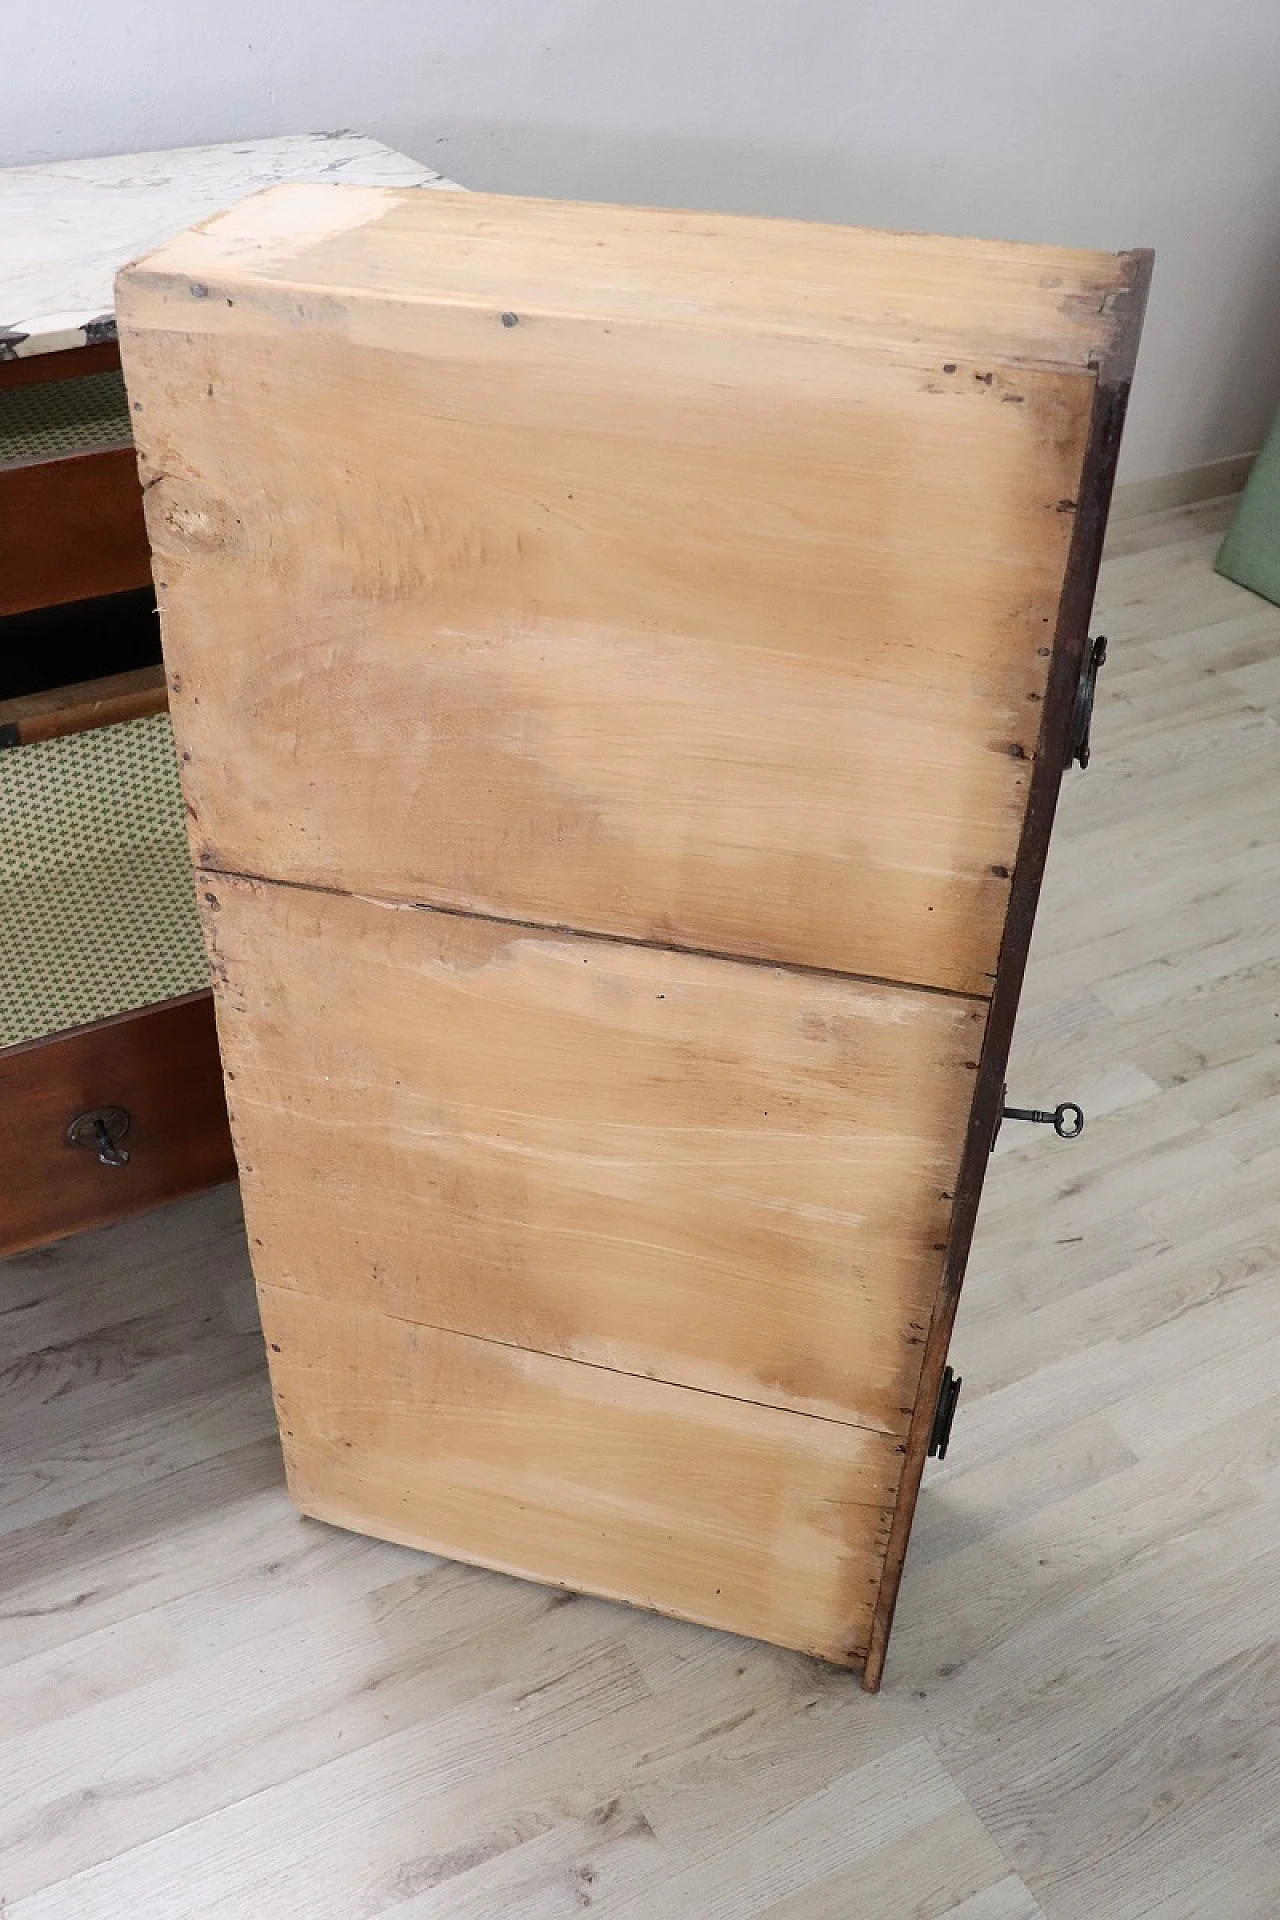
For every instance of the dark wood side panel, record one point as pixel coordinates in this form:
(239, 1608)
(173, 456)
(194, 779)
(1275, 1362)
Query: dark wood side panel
(71, 529)
(162, 1065)
(1069, 651)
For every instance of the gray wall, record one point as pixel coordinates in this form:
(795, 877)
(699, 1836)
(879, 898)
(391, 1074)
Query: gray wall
(1102, 123)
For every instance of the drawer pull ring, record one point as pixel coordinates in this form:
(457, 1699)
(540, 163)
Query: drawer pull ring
(101, 1130)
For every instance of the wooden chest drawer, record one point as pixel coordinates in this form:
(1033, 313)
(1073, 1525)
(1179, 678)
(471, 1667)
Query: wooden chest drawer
(159, 1065)
(105, 1007)
(624, 665)
(104, 999)
(71, 524)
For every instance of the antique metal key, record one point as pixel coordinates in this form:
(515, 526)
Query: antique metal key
(1066, 1120)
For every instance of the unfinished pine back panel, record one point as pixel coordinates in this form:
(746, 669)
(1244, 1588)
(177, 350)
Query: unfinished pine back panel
(733, 635)
(622, 664)
(727, 1176)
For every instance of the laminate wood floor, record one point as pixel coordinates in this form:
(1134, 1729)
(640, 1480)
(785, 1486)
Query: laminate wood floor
(211, 1707)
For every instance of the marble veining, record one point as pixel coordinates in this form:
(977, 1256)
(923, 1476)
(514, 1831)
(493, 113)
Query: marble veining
(67, 228)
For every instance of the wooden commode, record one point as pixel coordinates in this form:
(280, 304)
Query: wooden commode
(111, 1096)
(623, 663)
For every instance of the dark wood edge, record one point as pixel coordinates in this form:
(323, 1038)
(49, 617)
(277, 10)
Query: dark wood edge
(111, 1020)
(1117, 365)
(68, 364)
(1070, 644)
(83, 705)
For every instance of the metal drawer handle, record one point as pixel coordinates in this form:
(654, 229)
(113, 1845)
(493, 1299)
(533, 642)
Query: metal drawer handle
(944, 1413)
(1082, 716)
(100, 1131)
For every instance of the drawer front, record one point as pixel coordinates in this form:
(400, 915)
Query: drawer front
(71, 530)
(71, 521)
(161, 1067)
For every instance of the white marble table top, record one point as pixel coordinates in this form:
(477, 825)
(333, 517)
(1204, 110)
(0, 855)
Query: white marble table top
(67, 228)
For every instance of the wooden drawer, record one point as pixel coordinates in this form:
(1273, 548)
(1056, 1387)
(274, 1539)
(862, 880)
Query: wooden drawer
(104, 1002)
(160, 1065)
(624, 665)
(71, 522)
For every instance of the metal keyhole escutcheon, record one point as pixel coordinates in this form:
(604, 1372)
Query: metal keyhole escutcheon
(100, 1131)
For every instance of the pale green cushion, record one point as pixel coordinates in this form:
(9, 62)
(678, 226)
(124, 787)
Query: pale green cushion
(1250, 554)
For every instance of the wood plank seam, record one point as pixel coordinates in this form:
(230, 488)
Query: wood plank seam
(624, 1373)
(399, 904)
(451, 978)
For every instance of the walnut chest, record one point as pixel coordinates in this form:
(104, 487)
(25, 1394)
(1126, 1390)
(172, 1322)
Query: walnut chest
(623, 663)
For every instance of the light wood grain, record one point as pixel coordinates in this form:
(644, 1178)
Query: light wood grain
(763, 1522)
(1055, 306)
(732, 1177)
(212, 1708)
(744, 628)
(616, 610)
